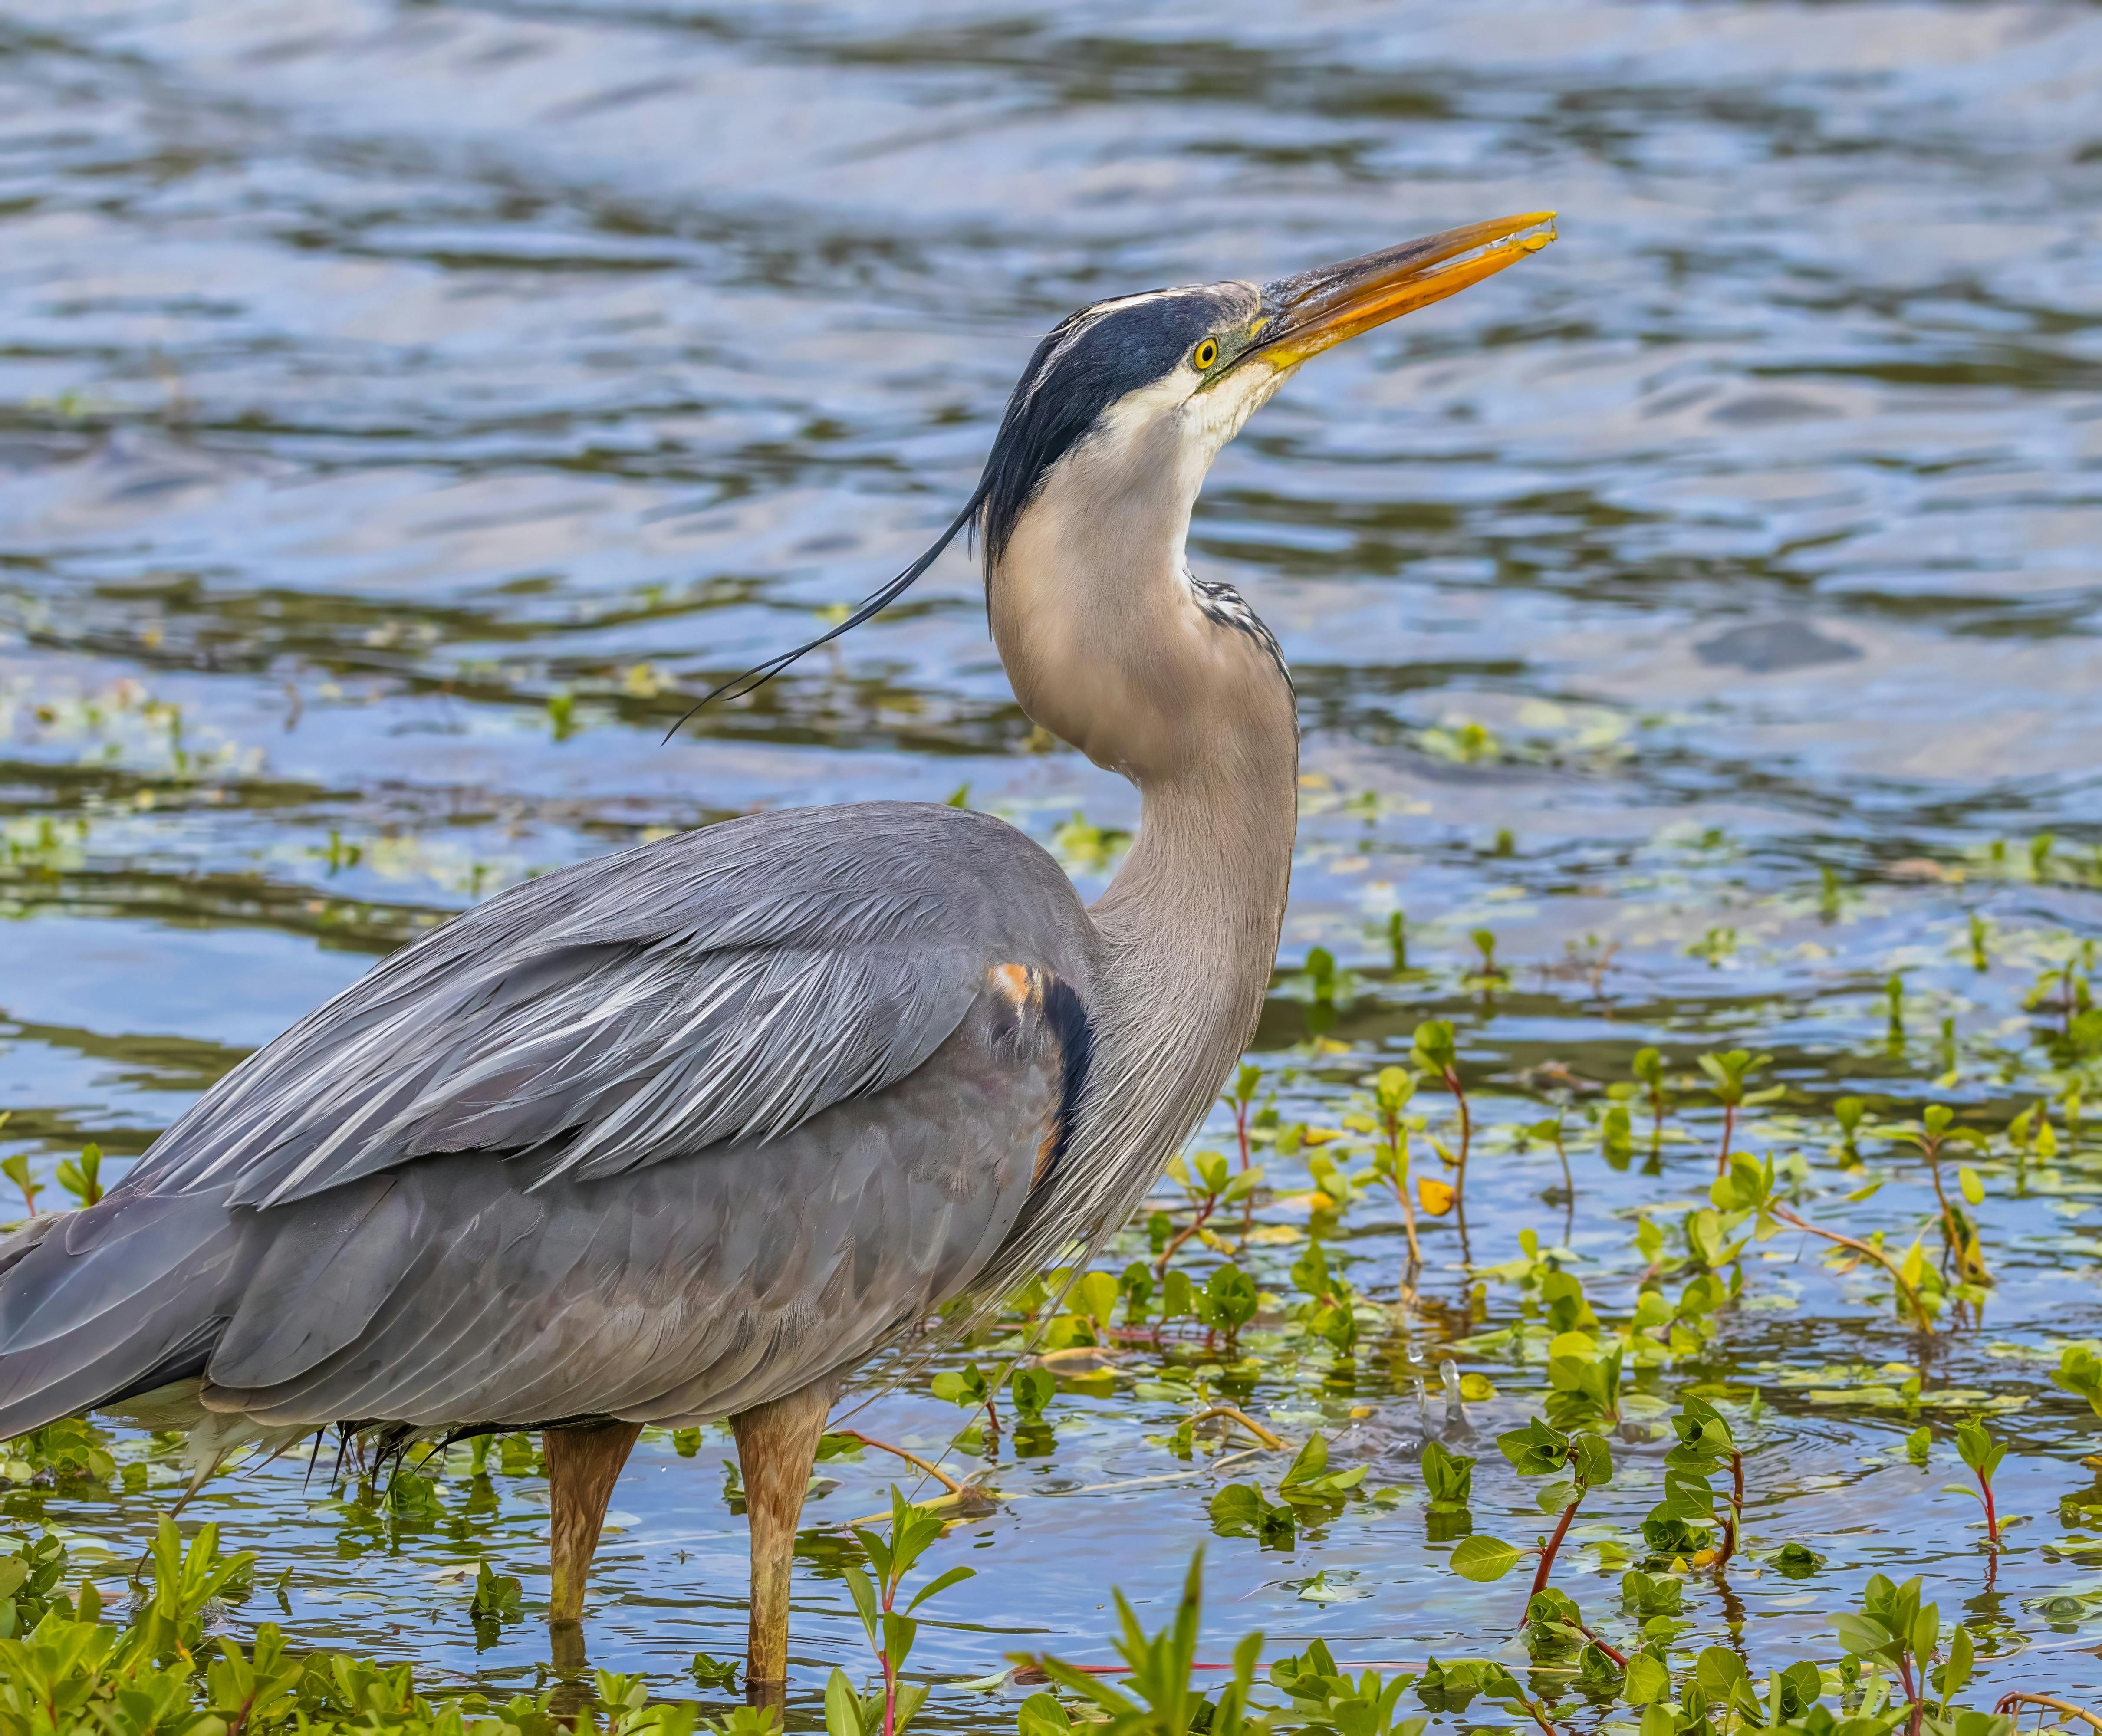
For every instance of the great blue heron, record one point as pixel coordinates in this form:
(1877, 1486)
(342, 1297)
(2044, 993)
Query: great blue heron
(686, 1133)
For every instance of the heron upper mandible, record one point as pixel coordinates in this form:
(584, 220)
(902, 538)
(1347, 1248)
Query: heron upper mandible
(687, 1132)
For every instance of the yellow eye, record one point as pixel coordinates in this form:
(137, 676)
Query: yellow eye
(1205, 354)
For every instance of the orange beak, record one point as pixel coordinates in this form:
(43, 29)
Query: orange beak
(1320, 308)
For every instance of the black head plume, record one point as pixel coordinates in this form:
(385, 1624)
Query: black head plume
(1087, 363)
(873, 603)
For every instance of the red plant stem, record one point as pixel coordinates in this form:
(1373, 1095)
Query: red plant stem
(1736, 1511)
(1466, 1121)
(1407, 1206)
(1460, 1169)
(1241, 1130)
(1911, 1694)
(1992, 1513)
(1182, 1235)
(889, 1673)
(1729, 1128)
(1911, 1295)
(1554, 1547)
(1620, 1657)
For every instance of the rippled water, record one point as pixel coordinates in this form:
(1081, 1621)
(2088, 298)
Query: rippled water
(405, 409)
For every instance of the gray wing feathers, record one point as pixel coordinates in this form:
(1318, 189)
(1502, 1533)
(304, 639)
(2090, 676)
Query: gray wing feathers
(741, 1171)
(723, 984)
(691, 1288)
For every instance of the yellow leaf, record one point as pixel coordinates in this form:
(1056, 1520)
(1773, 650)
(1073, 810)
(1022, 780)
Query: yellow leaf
(1437, 1197)
(1273, 1235)
(1475, 1387)
(1974, 1188)
(1319, 1136)
(2046, 1142)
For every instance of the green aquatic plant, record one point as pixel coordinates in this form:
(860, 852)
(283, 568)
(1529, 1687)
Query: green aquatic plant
(1552, 1131)
(891, 1631)
(1392, 1089)
(1727, 1074)
(1580, 1463)
(1322, 1696)
(972, 1389)
(1648, 1067)
(81, 1176)
(15, 1167)
(1207, 1185)
(1933, 1135)
(1435, 1053)
(1329, 1313)
(1982, 1454)
(1160, 1696)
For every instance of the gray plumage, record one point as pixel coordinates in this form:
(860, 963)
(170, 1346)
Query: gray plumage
(687, 1132)
(623, 1141)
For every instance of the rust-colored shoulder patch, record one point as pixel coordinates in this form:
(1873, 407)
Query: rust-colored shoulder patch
(1046, 1010)
(1016, 984)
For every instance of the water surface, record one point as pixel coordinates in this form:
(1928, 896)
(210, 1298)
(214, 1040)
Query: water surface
(406, 410)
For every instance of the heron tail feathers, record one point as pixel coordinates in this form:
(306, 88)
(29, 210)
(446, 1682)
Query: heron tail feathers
(101, 1305)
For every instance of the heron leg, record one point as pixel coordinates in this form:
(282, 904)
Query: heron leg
(777, 1444)
(584, 1463)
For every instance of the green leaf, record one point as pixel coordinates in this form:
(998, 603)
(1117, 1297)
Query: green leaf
(1483, 1559)
(1647, 1683)
(1861, 1636)
(1033, 1388)
(863, 1593)
(1593, 1461)
(842, 1706)
(1955, 1675)
(1536, 1449)
(1041, 1715)
(1979, 1450)
(1721, 1674)
(1447, 1477)
(954, 1576)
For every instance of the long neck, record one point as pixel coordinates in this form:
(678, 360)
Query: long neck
(1190, 923)
(1189, 930)
(1112, 646)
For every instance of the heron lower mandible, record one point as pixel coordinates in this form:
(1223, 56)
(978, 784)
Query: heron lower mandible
(687, 1132)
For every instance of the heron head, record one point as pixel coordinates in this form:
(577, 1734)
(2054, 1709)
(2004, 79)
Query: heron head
(1106, 439)
(1151, 386)
(1109, 641)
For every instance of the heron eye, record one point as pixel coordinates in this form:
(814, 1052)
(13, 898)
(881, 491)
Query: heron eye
(1205, 354)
